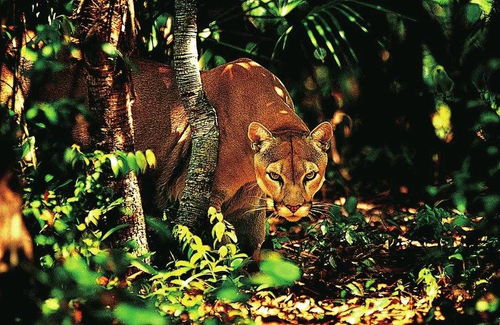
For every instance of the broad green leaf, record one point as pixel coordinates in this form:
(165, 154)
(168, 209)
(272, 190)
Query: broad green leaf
(219, 230)
(114, 165)
(133, 315)
(131, 162)
(150, 158)
(109, 49)
(141, 160)
(223, 251)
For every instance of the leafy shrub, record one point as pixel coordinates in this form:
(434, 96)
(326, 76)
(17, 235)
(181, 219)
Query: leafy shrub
(186, 284)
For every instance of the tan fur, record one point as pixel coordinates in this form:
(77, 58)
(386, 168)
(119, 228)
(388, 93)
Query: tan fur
(14, 237)
(242, 92)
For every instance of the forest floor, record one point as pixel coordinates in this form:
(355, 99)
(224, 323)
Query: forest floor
(402, 276)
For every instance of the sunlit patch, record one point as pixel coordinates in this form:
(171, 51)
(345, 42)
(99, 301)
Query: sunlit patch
(339, 98)
(244, 65)
(254, 64)
(163, 69)
(345, 174)
(336, 156)
(480, 134)
(184, 135)
(76, 53)
(385, 55)
(170, 39)
(270, 204)
(279, 91)
(441, 120)
(228, 69)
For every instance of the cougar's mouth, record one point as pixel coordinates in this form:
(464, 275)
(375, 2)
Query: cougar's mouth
(293, 218)
(292, 213)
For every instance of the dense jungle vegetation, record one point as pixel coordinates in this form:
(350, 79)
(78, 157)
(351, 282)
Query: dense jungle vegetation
(410, 225)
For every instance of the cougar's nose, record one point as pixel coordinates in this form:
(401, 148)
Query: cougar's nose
(293, 208)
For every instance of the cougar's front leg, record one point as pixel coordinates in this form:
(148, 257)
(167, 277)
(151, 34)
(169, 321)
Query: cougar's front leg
(251, 231)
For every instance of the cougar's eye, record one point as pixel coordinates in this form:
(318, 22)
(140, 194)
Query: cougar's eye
(274, 176)
(309, 176)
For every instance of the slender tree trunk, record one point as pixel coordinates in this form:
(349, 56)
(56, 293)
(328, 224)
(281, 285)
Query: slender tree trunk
(202, 117)
(110, 98)
(14, 236)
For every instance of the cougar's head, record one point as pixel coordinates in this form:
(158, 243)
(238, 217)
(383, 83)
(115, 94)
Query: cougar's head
(290, 167)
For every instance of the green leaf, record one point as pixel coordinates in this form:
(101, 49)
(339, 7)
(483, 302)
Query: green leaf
(113, 230)
(28, 144)
(349, 238)
(461, 221)
(109, 49)
(219, 230)
(351, 204)
(114, 165)
(31, 113)
(150, 158)
(230, 293)
(143, 266)
(356, 289)
(131, 162)
(132, 315)
(472, 13)
(50, 113)
(223, 251)
(276, 272)
(141, 160)
(456, 256)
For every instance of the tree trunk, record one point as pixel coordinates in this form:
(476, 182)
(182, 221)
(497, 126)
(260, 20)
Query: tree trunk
(202, 117)
(110, 98)
(14, 236)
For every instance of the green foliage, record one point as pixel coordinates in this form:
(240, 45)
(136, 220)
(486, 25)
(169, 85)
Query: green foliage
(186, 283)
(438, 238)
(324, 25)
(431, 286)
(344, 225)
(424, 113)
(276, 272)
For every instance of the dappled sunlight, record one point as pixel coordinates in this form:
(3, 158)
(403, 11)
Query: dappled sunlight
(246, 65)
(441, 120)
(375, 287)
(404, 228)
(279, 91)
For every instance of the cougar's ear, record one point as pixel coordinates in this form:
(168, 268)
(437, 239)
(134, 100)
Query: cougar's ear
(323, 133)
(257, 133)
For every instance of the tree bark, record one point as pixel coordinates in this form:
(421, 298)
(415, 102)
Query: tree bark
(14, 85)
(110, 98)
(202, 117)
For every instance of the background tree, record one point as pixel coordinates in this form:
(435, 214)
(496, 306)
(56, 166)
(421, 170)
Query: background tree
(106, 28)
(202, 117)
